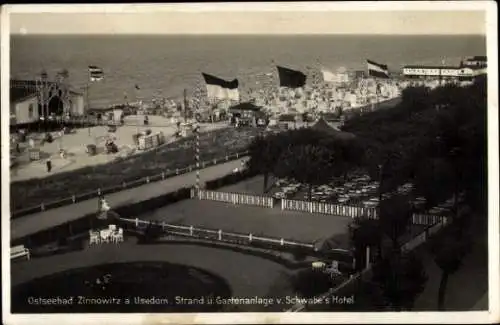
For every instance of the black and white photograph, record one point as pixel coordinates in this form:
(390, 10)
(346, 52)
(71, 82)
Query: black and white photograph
(250, 163)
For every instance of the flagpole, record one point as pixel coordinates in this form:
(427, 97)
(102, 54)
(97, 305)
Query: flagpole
(440, 73)
(185, 105)
(88, 102)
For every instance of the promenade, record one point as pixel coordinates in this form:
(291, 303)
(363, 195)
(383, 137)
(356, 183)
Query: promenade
(468, 288)
(33, 223)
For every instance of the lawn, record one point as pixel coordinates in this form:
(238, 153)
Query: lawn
(208, 271)
(122, 281)
(273, 222)
(169, 157)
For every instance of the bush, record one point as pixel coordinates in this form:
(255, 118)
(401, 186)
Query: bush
(138, 208)
(309, 283)
(229, 179)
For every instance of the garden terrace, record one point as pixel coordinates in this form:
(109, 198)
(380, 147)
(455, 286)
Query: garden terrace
(169, 157)
(446, 124)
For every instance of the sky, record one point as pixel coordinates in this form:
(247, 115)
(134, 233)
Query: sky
(234, 19)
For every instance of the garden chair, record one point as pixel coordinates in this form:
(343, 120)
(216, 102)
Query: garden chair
(19, 251)
(117, 236)
(105, 236)
(94, 237)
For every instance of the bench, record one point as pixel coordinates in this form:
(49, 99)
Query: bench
(19, 251)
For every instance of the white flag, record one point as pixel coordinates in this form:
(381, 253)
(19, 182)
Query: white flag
(329, 76)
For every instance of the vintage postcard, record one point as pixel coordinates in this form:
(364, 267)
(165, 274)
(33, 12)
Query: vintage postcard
(332, 162)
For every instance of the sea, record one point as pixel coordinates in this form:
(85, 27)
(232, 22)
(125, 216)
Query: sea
(164, 66)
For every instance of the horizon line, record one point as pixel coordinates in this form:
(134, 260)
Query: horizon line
(17, 33)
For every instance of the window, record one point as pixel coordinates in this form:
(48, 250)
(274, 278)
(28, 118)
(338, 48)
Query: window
(30, 111)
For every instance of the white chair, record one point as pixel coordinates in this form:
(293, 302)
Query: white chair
(105, 234)
(112, 228)
(19, 251)
(117, 236)
(94, 237)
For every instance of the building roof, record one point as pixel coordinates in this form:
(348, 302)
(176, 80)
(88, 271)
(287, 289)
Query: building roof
(429, 67)
(19, 94)
(20, 89)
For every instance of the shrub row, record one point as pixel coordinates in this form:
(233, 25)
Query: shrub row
(153, 233)
(82, 225)
(256, 249)
(229, 179)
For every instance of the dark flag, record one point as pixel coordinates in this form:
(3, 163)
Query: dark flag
(377, 70)
(95, 73)
(291, 78)
(220, 88)
(64, 73)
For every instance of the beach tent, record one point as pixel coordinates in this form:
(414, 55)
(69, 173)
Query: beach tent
(323, 126)
(247, 106)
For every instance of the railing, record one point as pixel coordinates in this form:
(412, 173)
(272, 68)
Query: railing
(427, 219)
(124, 186)
(236, 198)
(422, 238)
(219, 234)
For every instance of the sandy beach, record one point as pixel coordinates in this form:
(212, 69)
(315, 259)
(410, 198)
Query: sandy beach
(75, 146)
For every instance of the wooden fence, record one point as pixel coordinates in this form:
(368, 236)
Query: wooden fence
(351, 211)
(78, 197)
(236, 198)
(327, 208)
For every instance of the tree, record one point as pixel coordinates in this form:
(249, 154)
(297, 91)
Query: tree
(264, 153)
(347, 153)
(363, 233)
(448, 253)
(309, 283)
(434, 180)
(395, 216)
(416, 99)
(401, 278)
(307, 164)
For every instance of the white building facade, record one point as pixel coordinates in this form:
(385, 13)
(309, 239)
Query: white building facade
(442, 72)
(29, 101)
(24, 110)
